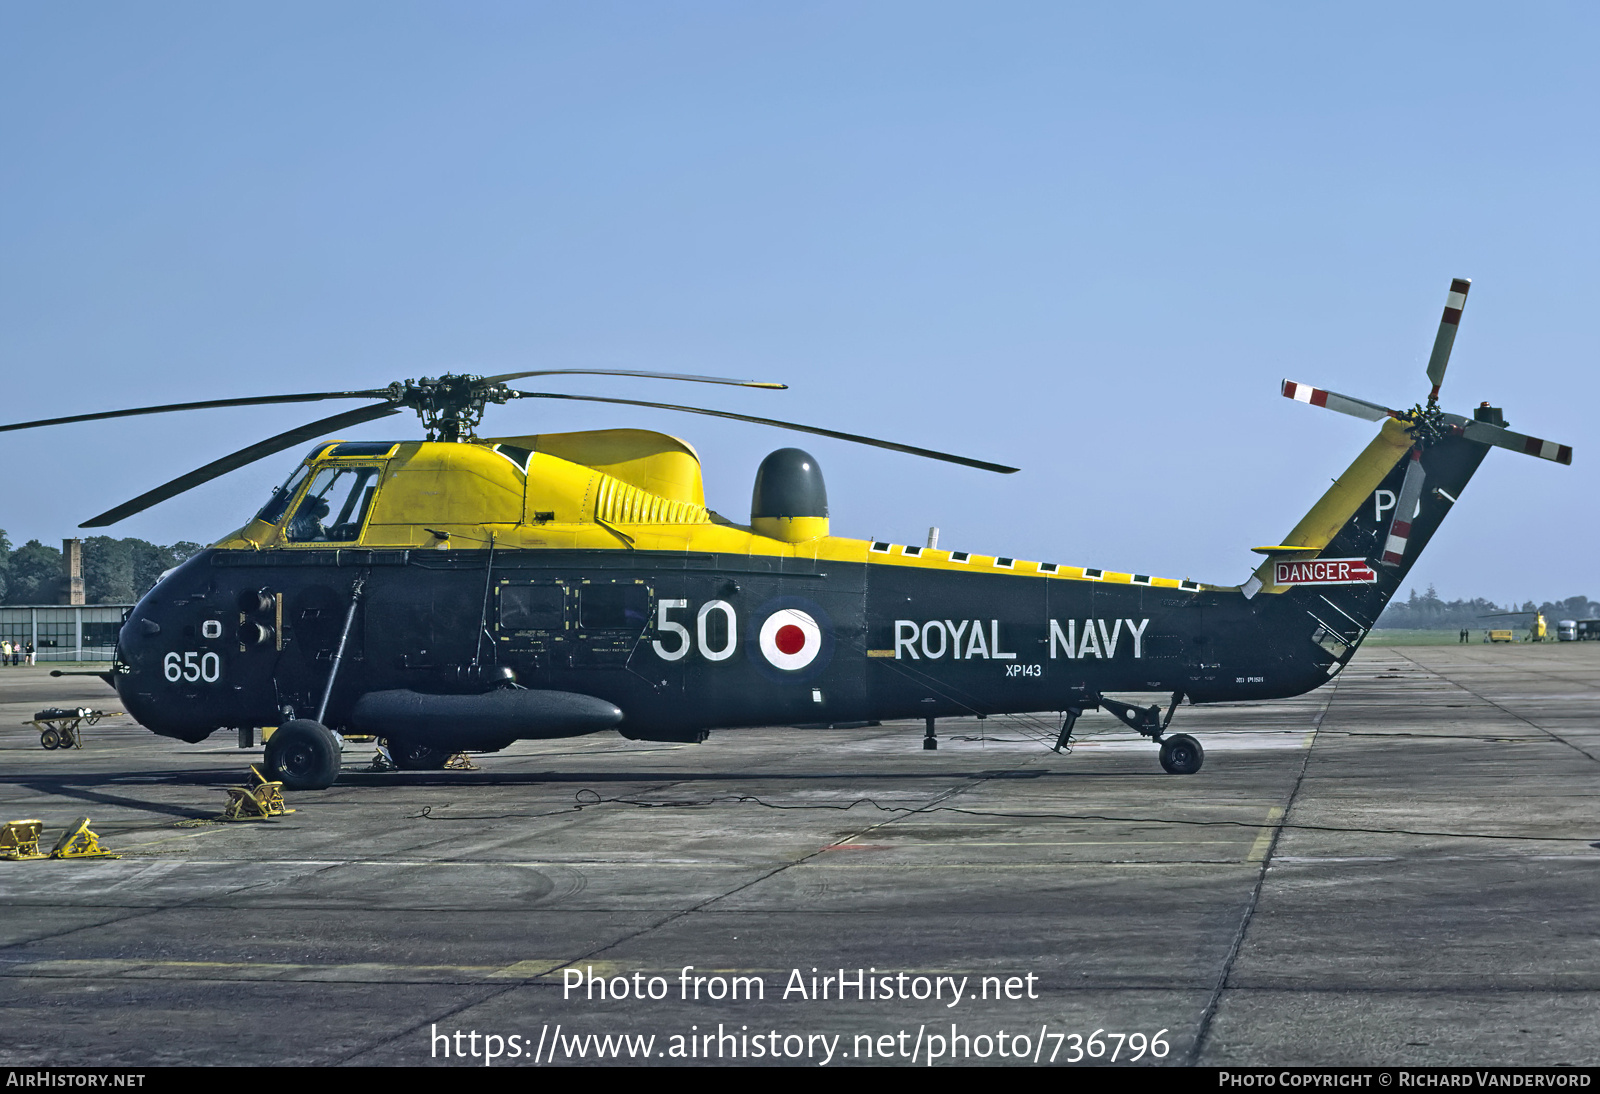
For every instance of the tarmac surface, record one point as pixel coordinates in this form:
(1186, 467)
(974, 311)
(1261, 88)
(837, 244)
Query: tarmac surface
(1400, 868)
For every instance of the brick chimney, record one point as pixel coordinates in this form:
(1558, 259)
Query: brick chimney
(72, 569)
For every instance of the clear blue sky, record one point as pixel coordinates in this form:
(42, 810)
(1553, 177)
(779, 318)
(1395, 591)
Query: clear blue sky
(1087, 240)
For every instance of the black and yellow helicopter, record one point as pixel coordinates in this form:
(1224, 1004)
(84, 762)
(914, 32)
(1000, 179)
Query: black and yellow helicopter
(461, 593)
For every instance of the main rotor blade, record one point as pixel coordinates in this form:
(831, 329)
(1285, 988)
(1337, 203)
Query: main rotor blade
(1446, 338)
(982, 465)
(209, 404)
(623, 372)
(259, 450)
(1344, 404)
(1500, 437)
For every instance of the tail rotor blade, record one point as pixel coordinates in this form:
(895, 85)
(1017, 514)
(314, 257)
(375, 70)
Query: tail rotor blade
(1446, 338)
(1405, 511)
(1500, 437)
(1344, 404)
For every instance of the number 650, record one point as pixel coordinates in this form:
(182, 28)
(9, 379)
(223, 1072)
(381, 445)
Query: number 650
(192, 666)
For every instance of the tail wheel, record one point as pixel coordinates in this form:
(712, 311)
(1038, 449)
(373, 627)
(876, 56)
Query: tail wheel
(303, 755)
(411, 756)
(1181, 754)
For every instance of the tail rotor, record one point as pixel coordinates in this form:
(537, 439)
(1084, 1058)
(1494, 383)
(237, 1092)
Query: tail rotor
(1427, 424)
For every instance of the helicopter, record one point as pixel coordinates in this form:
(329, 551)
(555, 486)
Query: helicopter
(462, 592)
(1538, 629)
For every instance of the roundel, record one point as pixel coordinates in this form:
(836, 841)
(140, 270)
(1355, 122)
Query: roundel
(790, 639)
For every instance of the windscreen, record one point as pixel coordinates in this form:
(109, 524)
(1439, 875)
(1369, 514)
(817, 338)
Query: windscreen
(273, 511)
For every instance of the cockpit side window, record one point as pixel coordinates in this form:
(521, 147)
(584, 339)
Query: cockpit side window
(273, 511)
(335, 506)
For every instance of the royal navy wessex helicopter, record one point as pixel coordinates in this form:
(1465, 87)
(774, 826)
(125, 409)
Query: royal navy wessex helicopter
(461, 593)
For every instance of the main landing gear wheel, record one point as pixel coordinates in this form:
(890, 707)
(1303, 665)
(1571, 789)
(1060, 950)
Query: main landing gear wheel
(1181, 754)
(303, 755)
(410, 756)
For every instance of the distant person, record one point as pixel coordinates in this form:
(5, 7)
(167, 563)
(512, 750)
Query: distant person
(5, 651)
(30, 653)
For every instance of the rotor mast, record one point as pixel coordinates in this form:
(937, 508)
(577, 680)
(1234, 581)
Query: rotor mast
(451, 407)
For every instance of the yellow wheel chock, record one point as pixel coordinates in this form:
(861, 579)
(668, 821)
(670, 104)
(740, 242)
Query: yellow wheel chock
(78, 842)
(19, 839)
(261, 800)
(459, 762)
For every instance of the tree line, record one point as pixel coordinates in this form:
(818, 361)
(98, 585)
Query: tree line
(115, 571)
(1428, 612)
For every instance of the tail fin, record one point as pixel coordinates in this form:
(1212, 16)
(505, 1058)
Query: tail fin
(1348, 556)
(1362, 520)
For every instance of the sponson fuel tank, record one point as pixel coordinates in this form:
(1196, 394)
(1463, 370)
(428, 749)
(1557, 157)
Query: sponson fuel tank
(497, 716)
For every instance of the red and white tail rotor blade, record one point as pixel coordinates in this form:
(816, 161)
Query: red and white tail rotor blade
(1405, 511)
(1344, 404)
(1439, 359)
(1500, 437)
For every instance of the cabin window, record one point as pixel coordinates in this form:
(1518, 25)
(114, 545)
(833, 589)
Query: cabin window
(614, 607)
(533, 607)
(334, 506)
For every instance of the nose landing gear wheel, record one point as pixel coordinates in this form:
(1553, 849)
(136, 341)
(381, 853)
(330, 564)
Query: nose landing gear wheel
(302, 755)
(1181, 754)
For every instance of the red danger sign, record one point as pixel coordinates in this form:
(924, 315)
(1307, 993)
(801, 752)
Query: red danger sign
(1324, 571)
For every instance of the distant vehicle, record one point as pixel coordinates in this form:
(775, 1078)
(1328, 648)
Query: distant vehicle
(1588, 630)
(1537, 630)
(1567, 630)
(1500, 636)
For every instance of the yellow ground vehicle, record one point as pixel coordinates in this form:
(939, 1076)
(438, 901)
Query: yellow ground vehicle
(1538, 631)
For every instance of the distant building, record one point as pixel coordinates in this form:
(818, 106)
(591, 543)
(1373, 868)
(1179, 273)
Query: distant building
(76, 632)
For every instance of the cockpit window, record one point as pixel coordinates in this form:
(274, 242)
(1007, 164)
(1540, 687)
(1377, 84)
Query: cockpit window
(272, 512)
(335, 506)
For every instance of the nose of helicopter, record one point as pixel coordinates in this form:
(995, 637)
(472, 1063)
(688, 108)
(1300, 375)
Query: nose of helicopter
(170, 658)
(145, 636)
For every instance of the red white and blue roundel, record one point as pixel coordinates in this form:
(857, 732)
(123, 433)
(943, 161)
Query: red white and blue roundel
(790, 639)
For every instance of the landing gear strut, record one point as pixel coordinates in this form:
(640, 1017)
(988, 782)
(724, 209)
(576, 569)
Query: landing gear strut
(930, 742)
(1069, 718)
(1181, 754)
